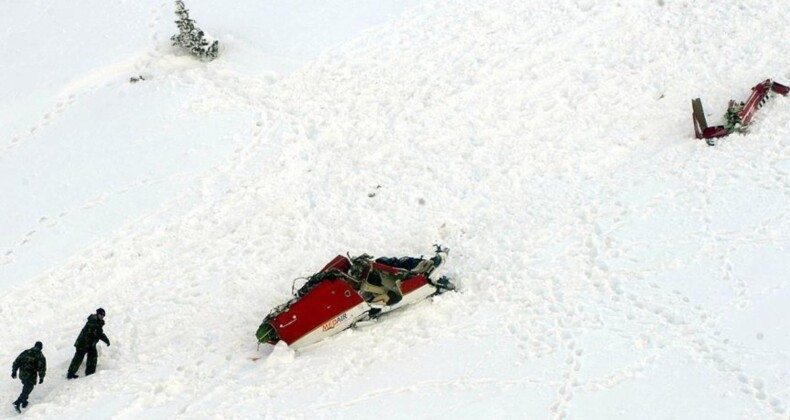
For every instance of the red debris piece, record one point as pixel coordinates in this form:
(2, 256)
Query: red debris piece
(739, 115)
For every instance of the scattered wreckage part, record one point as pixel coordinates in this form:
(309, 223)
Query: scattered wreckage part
(758, 98)
(701, 129)
(738, 115)
(443, 283)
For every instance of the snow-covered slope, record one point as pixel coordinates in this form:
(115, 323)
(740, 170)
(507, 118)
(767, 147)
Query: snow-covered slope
(610, 266)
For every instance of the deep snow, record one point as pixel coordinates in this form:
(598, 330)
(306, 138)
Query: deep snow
(610, 266)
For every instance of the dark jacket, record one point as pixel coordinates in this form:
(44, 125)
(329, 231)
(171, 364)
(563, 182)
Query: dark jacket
(30, 363)
(91, 333)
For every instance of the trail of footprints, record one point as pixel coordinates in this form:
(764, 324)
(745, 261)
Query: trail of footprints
(63, 104)
(48, 222)
(696, 332)
(569, 377)
(675, 319)
(49, 116)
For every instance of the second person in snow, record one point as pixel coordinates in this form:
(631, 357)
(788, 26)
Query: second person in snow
(91, 333)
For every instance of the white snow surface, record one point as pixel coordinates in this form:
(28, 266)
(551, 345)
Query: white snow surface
(610, 266)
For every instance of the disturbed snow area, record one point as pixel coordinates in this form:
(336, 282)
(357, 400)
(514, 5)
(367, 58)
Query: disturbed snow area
(610, 266)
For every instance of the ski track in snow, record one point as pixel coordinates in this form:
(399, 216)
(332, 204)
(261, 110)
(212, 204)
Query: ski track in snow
(577, 235)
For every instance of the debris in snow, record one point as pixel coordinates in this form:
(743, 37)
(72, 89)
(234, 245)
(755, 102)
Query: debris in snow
(738, 115)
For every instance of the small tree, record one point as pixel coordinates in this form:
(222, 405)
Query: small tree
(191, 38)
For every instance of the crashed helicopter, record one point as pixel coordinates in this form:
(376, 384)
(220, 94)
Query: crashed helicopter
(352, 289)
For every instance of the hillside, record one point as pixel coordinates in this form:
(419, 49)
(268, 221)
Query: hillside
(610, 266)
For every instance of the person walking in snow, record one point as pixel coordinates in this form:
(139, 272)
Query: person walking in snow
(31, 365)
(91, 333)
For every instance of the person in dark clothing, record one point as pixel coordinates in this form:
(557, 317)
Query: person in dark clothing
(32, 366)
(91, 333)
